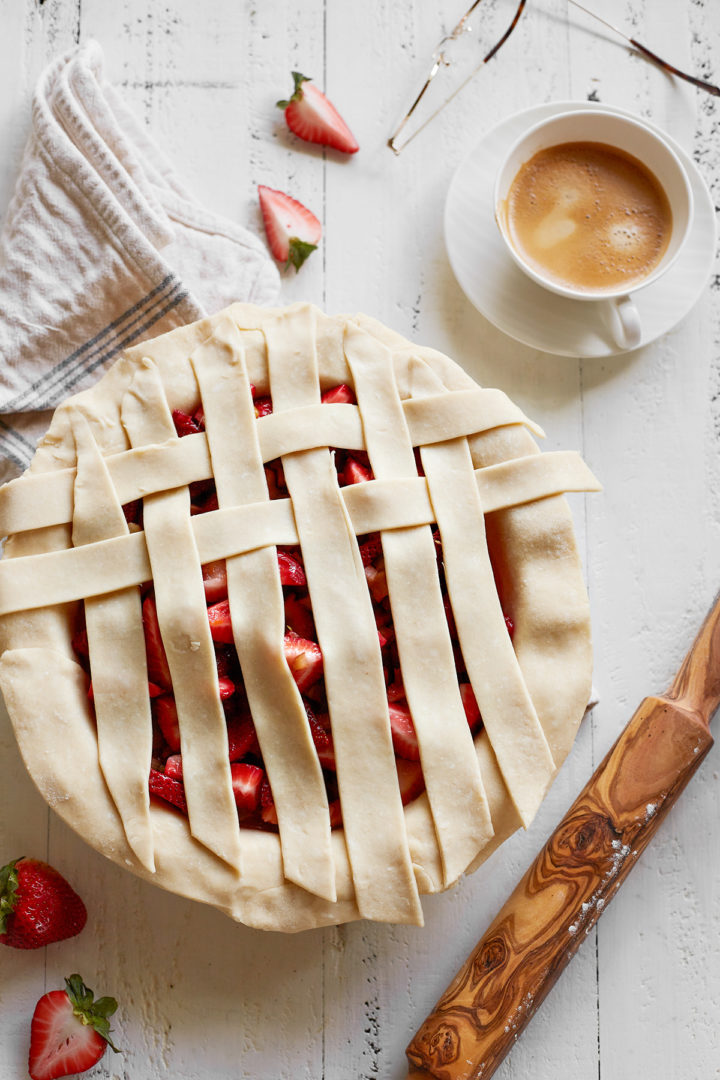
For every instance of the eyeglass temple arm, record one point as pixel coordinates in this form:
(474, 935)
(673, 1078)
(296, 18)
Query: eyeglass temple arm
(710, 87)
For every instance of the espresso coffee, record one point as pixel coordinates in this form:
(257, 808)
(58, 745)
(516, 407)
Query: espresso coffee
(588, 217)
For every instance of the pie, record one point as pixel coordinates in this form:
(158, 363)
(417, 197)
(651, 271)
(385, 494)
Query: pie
(292, 617)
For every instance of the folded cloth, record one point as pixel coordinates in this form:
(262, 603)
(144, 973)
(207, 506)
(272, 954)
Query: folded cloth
(101, 247)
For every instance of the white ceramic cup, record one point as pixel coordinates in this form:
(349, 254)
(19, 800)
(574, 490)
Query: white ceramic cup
(634, 138)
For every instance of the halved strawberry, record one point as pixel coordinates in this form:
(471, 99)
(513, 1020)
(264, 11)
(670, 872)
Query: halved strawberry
(323, 741)
(70, 1031)
(267, 803)
(339, 395)
(304, 659)
(355, 473)
(403, 731)
(165, 712)
(220, 625)
(472, 710)
(215, 581)
(291, 569)
(166, 788)
(158, 669)
(292, 230)
(311, 116)
(246, 783)
(410, 778)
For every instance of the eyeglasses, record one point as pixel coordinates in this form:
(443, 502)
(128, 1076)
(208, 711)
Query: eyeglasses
(447, 55)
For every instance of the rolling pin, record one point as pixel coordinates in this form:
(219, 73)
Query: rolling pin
(578, 872)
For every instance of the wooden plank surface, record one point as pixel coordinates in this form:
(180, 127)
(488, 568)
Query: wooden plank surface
(200, 996)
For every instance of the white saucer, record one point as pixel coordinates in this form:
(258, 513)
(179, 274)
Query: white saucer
(533, 315)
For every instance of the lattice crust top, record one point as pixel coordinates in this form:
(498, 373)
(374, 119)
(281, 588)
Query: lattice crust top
(483, 485)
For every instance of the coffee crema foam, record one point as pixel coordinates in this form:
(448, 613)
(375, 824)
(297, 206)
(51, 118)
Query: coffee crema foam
(588, 216)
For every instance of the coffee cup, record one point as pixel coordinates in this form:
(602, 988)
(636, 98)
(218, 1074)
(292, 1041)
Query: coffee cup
(594, 206)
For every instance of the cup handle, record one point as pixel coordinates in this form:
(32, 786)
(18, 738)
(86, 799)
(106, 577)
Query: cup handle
(626, 327)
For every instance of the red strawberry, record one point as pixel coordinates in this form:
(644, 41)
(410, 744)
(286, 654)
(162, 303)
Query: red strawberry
(403, 731)
(310, 115)
(220, 625)
(338, 395)
(293, 232)
(472, 710)
(226, 687)
(323, 742)
(37, 906)
(335, 814)
(355, 473)
(263, 405)
(167, 788)
(298, 617)
(371, 549)
(246, 783)
(158, 670)
(173, 767)
(165, 712)
(267, 804)
(510, 626)
(291, 569)
(69, 1032)
(242, 738)
(214, 581)
(410, 778)
(304, 660)
(396, 690)
(184, 424)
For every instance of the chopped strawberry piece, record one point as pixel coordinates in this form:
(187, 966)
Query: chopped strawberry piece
(173, 767)
(215, 581)
(410, 778)
(355, 473)
(298, 618)
(154, 690)
(382, 639)
(371, 549)
(267, 803)
(220, 624)
(323, 741)
(396, 690)
(450, 617)
(293, 231)
(246, 783)
(291, 569)
(377, 582)
(510, 626)
(335, 814)
(158, 669)
(133, 511)
(242, 738)
(165, 711)
(184, 424)
(263, 406)
(310, 116)
(339, 395)
(199, 417)
(80, 643)
(472, 710)
(226, 687)
(166, 788)
(205, 503)
(403, 731)
(304, 659)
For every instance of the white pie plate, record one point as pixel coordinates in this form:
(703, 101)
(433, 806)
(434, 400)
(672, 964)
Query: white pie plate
(514, 303)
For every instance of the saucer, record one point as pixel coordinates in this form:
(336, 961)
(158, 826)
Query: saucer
(514, 303)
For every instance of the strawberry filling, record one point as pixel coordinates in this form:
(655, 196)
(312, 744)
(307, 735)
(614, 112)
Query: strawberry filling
(251, 788)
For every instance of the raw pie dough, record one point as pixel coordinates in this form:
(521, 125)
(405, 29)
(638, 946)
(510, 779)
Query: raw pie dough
(486, 486)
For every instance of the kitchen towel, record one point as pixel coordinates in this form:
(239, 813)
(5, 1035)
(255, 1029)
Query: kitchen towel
(101, 247)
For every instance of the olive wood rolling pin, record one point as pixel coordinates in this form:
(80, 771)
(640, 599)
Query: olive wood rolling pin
(577, 873)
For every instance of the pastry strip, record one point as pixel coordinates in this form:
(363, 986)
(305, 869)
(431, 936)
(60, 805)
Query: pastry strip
(450, 767)
(507, 710)
(116, 643)
(52, 578)
(182, 615)
(373, 819)
(258, 621)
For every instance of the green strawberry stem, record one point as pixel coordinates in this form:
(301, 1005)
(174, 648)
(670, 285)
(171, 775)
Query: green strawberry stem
(92, 1013)
(297, 93)
(299, 251)
(8, 891)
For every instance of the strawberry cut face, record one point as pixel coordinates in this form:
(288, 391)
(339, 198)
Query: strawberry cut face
(302, 651)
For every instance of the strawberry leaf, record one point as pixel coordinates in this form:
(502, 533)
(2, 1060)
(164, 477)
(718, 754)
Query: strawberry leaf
(8, 892)
(299, 251)
(92, 1013)
(297, 92)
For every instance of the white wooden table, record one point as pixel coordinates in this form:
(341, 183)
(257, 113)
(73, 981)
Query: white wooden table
(202, 997)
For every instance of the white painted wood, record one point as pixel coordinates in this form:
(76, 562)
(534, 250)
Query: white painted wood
(200, 996)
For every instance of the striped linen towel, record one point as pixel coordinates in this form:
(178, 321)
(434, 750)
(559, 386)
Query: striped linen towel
(101, 247)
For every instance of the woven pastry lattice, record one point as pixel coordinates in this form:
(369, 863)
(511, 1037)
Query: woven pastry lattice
(71, 543)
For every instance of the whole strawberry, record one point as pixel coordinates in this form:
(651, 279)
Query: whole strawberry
(70, 1031)
(37, 906)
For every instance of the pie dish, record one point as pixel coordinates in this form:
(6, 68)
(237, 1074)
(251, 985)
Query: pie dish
(305, 544)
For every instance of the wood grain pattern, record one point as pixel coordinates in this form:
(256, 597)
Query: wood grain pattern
(575, 876)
